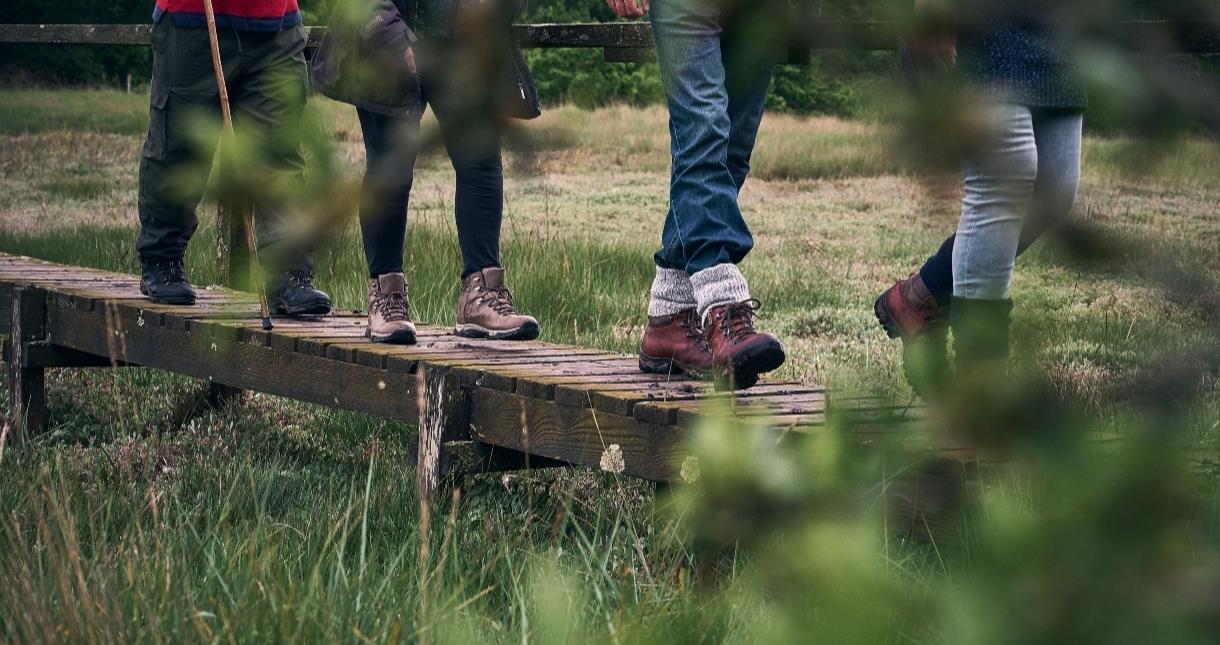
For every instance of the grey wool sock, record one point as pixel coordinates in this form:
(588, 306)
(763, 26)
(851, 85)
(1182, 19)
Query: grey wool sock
(719, 285)
(671, 293)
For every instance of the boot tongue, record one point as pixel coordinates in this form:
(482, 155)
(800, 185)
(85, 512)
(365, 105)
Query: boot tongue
(391, 283)
(493, 278)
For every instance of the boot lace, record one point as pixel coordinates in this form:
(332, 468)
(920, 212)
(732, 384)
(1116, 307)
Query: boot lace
(694, 330)
(500, 300)
(391, 306)
(300, 278)
(170, 272)
(737, 320)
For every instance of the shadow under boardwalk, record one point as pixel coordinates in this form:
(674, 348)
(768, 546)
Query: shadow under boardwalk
(480, 405)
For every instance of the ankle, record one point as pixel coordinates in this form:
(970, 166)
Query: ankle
(720, 285)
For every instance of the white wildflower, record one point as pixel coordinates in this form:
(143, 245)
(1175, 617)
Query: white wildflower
(612, 459)
(690, 470)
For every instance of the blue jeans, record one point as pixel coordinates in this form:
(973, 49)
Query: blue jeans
(716, 72)
(1022, 181)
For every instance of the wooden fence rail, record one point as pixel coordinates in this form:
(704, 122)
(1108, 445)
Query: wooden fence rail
(1190, 37)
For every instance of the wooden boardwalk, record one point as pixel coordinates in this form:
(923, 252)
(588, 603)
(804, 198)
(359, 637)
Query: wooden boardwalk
(480, 405)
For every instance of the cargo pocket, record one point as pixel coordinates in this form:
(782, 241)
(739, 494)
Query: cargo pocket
(155, 146)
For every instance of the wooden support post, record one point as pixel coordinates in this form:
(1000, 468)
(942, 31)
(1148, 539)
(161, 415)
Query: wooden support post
(27, 396)
(233, 263)
(431, 430)
(444, 450)
(444, 416)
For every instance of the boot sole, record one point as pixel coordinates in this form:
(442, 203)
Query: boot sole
(315, 308)
(749, 364)
(882, 311)
(528, 331)
(401, 337)
(186, 301)
(669, 366)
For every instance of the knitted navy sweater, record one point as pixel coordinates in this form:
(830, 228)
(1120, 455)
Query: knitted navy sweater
(1020, 63)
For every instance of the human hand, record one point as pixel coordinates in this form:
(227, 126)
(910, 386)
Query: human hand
(935, 40)
(410, 57)
(629, 8)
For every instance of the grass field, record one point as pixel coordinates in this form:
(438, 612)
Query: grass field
(275, 520)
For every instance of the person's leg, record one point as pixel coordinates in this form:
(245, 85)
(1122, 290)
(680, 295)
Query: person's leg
(167, 200)
(999, 187)
(998, 194)
(673, 341)
(472, 140)
(705, 230)
(390, 147)
(937, 272)
(1057, 135)
(182, 91)
(704, 227)
(470, 128)
(749, 57)
(268, 102)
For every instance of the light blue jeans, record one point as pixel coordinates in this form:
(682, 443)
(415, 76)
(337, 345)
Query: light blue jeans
(1023, 180)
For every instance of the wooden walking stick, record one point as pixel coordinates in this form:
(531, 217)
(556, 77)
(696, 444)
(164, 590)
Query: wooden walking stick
(229, 139)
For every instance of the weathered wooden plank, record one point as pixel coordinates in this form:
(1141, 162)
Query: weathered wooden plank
(686, 410)
(622, 397)
(351, 352)
(241, 365)
(542, 385)
(42, 354)
(77, 34)
(451, 351)
(575, 435)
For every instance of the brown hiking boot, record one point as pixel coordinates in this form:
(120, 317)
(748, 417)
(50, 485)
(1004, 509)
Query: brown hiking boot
(739, 353)
(486, 310)
(389, 314)
(908, 311)
(675, 345)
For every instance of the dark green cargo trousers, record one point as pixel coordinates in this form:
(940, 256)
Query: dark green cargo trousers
(266, 76)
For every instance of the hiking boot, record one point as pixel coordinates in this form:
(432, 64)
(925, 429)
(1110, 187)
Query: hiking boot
(486, 310)
(293, 294)
(908, 311)
(739, 353)
(165, 283)
(675, 345)
(389, 310)
(981, 336)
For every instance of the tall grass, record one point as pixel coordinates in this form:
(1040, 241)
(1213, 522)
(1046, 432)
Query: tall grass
(34, 111)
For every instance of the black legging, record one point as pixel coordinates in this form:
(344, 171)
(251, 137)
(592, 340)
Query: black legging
(391, 145)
